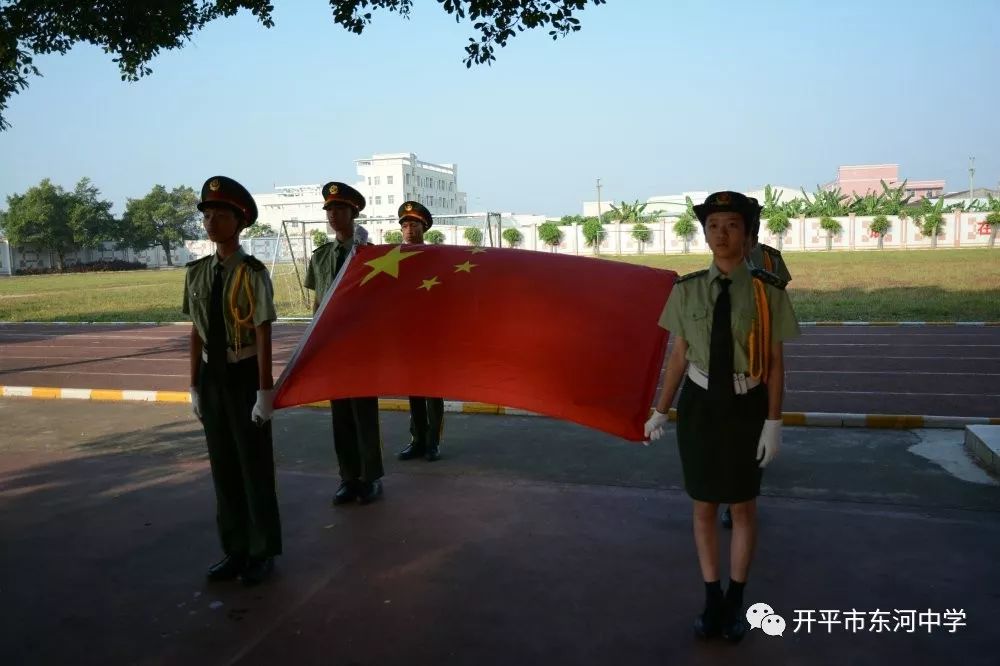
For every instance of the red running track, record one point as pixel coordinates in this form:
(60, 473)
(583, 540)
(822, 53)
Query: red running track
(920, 370)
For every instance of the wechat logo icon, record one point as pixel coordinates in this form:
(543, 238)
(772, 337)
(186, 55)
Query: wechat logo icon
(762, 616)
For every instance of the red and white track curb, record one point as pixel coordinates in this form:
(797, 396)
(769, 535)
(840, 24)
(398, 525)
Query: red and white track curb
(809, 419)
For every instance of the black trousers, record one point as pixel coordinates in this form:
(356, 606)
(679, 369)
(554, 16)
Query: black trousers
(242, 458)
(426, 422)
(357, 438)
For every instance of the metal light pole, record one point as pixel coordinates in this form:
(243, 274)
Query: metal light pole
(972, 172)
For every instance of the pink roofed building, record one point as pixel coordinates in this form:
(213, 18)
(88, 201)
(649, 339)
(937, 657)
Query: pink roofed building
(864, 178)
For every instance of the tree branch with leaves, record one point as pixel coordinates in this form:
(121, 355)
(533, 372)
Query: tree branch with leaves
(136, 32)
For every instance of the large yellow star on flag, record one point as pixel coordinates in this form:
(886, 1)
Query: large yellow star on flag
(388, 263)
(430, 284)
(465, 268)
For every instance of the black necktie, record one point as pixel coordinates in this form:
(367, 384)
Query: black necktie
(217, 327)
(341, 253)
(720, 361)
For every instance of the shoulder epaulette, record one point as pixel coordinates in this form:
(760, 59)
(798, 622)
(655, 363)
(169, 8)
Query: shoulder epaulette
(196, 261)
(769, 278)
(690, 275)
(773, 251)
(254, 263)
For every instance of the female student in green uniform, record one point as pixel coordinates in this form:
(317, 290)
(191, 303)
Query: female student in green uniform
(728, 323)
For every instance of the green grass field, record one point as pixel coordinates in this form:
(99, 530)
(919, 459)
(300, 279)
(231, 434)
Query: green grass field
(921, 285)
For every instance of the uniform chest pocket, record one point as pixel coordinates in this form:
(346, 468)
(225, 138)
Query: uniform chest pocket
(742, 319)
(198, 302)
(698, 327)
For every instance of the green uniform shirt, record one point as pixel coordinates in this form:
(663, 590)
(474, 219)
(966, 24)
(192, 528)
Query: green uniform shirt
(323, 266)
(688, 314)
(198, 295)
(778, 266)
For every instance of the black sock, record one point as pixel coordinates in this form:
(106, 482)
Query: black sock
(713, 595)
(734, 593)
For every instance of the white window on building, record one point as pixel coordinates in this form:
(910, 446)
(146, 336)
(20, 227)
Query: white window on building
(369, 180)
(388, 181)
(377, 179)
(378, 200)
(370, 201)
(451, 187)
(407, 179)
(392, 197)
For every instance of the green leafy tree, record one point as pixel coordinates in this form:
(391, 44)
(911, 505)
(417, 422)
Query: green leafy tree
(394, 237)
(832, 227)
(628, 213)
(593, 233)
(550, 234)
(162, 217)
(778, 224)
(932, 217)
(570, 220)
(319, 238)
(258, 230)
(642, 235)
(135, 33)
(434, 237)
(474, 235)
(775, 214)
(685, 227)
(880, 227)
(513, 237)
(894, 199)
(825, 203)
(869, 204)
(993, 220)
(46, 217)
(992, 206)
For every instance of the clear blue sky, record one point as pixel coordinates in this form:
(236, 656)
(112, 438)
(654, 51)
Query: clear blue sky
(652, 96)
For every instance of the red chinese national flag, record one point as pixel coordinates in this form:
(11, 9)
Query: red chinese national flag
(569, 337)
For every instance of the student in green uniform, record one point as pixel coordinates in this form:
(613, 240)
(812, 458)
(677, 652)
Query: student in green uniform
(728, 323)
(230, 300)
(770, 259)
(426, 414)
(357, 439)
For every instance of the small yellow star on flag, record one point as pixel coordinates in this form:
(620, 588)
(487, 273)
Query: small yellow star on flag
(465, 268)
(430, 284)
(388, 263)
(477, 250)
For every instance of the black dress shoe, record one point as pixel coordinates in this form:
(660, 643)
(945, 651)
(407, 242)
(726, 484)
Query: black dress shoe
(727, 519)
(708, 624)
(734, 625)
(370, 491)
(346, 493)
(411, 452)
(227, 568)
(433, 453)
(257, 569)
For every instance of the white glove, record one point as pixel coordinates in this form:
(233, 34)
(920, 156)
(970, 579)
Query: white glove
(770, 442)
(195, 403)
(263, 409)
(654, 426)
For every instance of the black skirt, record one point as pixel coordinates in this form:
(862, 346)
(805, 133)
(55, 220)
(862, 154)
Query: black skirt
(718, 444)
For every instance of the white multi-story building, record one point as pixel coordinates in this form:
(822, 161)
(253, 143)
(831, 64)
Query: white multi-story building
(291, 203)
(389, 179)
(386, 181)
